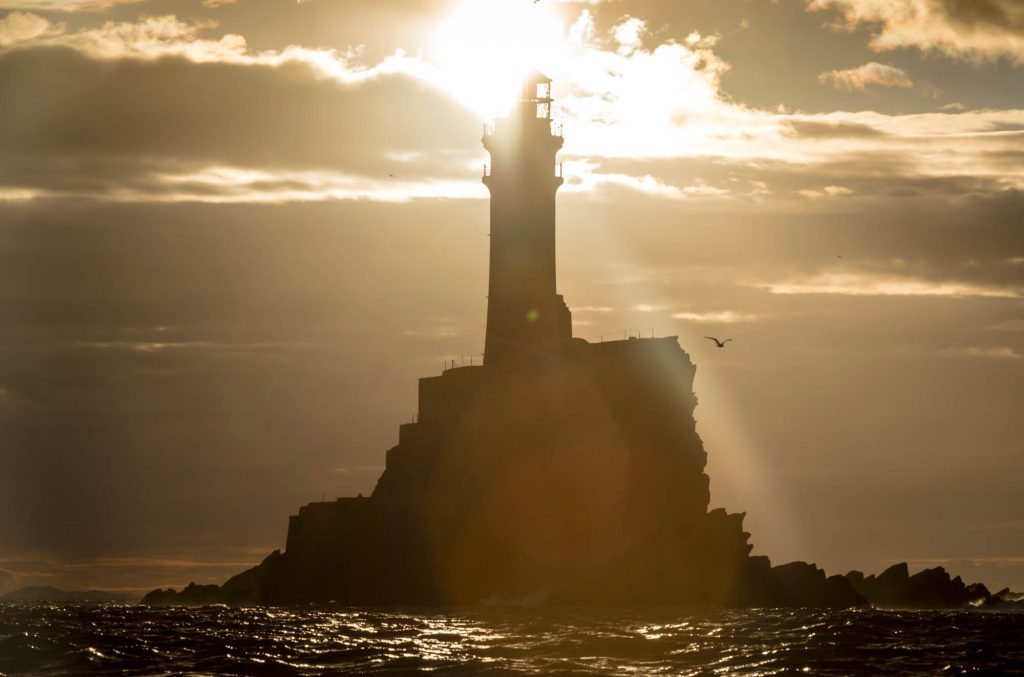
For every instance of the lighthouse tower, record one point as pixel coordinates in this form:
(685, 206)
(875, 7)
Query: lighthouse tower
(527, 321)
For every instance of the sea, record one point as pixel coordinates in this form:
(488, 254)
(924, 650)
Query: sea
(117, 639)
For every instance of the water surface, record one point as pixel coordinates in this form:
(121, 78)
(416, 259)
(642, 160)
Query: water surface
(120, 639)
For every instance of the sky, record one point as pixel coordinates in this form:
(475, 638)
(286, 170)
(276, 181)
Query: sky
(233, 233)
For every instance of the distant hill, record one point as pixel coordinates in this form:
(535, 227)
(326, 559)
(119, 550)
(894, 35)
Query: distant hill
(39, 593)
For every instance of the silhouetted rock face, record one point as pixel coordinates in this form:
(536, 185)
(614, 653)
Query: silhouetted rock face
(576, 479)
(1005, 598)
(928, 589)
(799, 584)
(192, 595)
(579, 479)
(245, 588)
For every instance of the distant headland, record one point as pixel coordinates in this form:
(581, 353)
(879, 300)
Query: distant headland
(45, 593)
(557, 472)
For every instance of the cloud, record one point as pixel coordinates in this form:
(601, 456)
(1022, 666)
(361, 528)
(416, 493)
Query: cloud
(170, 129)
(197, 345)
(586, 177)
(213, 184)
(834, 129)
(629, 35)
(130, 572)
(858, 284)
(8, 581)
(19, 27)
(872, 74)
(612, 113)
(825, 192)
(227, 185)
(718, 317)
(155, 37)
(149, 111)
(996, 352)
(977, 30)
(64, 5)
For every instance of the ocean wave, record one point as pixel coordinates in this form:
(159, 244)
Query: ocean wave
(65, 639)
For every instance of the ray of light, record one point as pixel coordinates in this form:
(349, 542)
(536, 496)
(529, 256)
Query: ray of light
(484, 49)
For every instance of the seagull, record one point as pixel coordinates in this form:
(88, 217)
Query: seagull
(720, 344)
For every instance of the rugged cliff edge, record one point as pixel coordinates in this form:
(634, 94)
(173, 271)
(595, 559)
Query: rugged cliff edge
(797, 584)
(579, 480)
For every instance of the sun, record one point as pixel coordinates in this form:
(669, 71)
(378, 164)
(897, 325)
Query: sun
(484, 49)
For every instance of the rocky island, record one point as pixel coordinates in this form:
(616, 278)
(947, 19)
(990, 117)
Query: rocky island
(558, 472)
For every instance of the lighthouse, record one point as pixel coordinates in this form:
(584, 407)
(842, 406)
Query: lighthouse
(560, 465)
(527, 320)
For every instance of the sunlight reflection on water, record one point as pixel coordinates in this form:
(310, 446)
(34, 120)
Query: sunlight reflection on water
(56, 639)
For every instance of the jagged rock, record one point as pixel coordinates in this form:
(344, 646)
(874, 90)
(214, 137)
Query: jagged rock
(1005, 598)
(927, 589)
(248, 587)
(161, 597)
(799, 584)
(192, 595)
(580, 481)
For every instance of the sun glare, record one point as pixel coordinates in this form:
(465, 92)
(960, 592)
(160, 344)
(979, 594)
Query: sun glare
(485, 48)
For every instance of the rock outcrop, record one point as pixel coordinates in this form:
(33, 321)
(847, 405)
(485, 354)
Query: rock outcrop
(792, 585)
(1005, 598)
(578, 481)
(928, 589)
(246, 588)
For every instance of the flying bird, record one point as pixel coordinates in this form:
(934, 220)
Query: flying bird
(720, 344)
